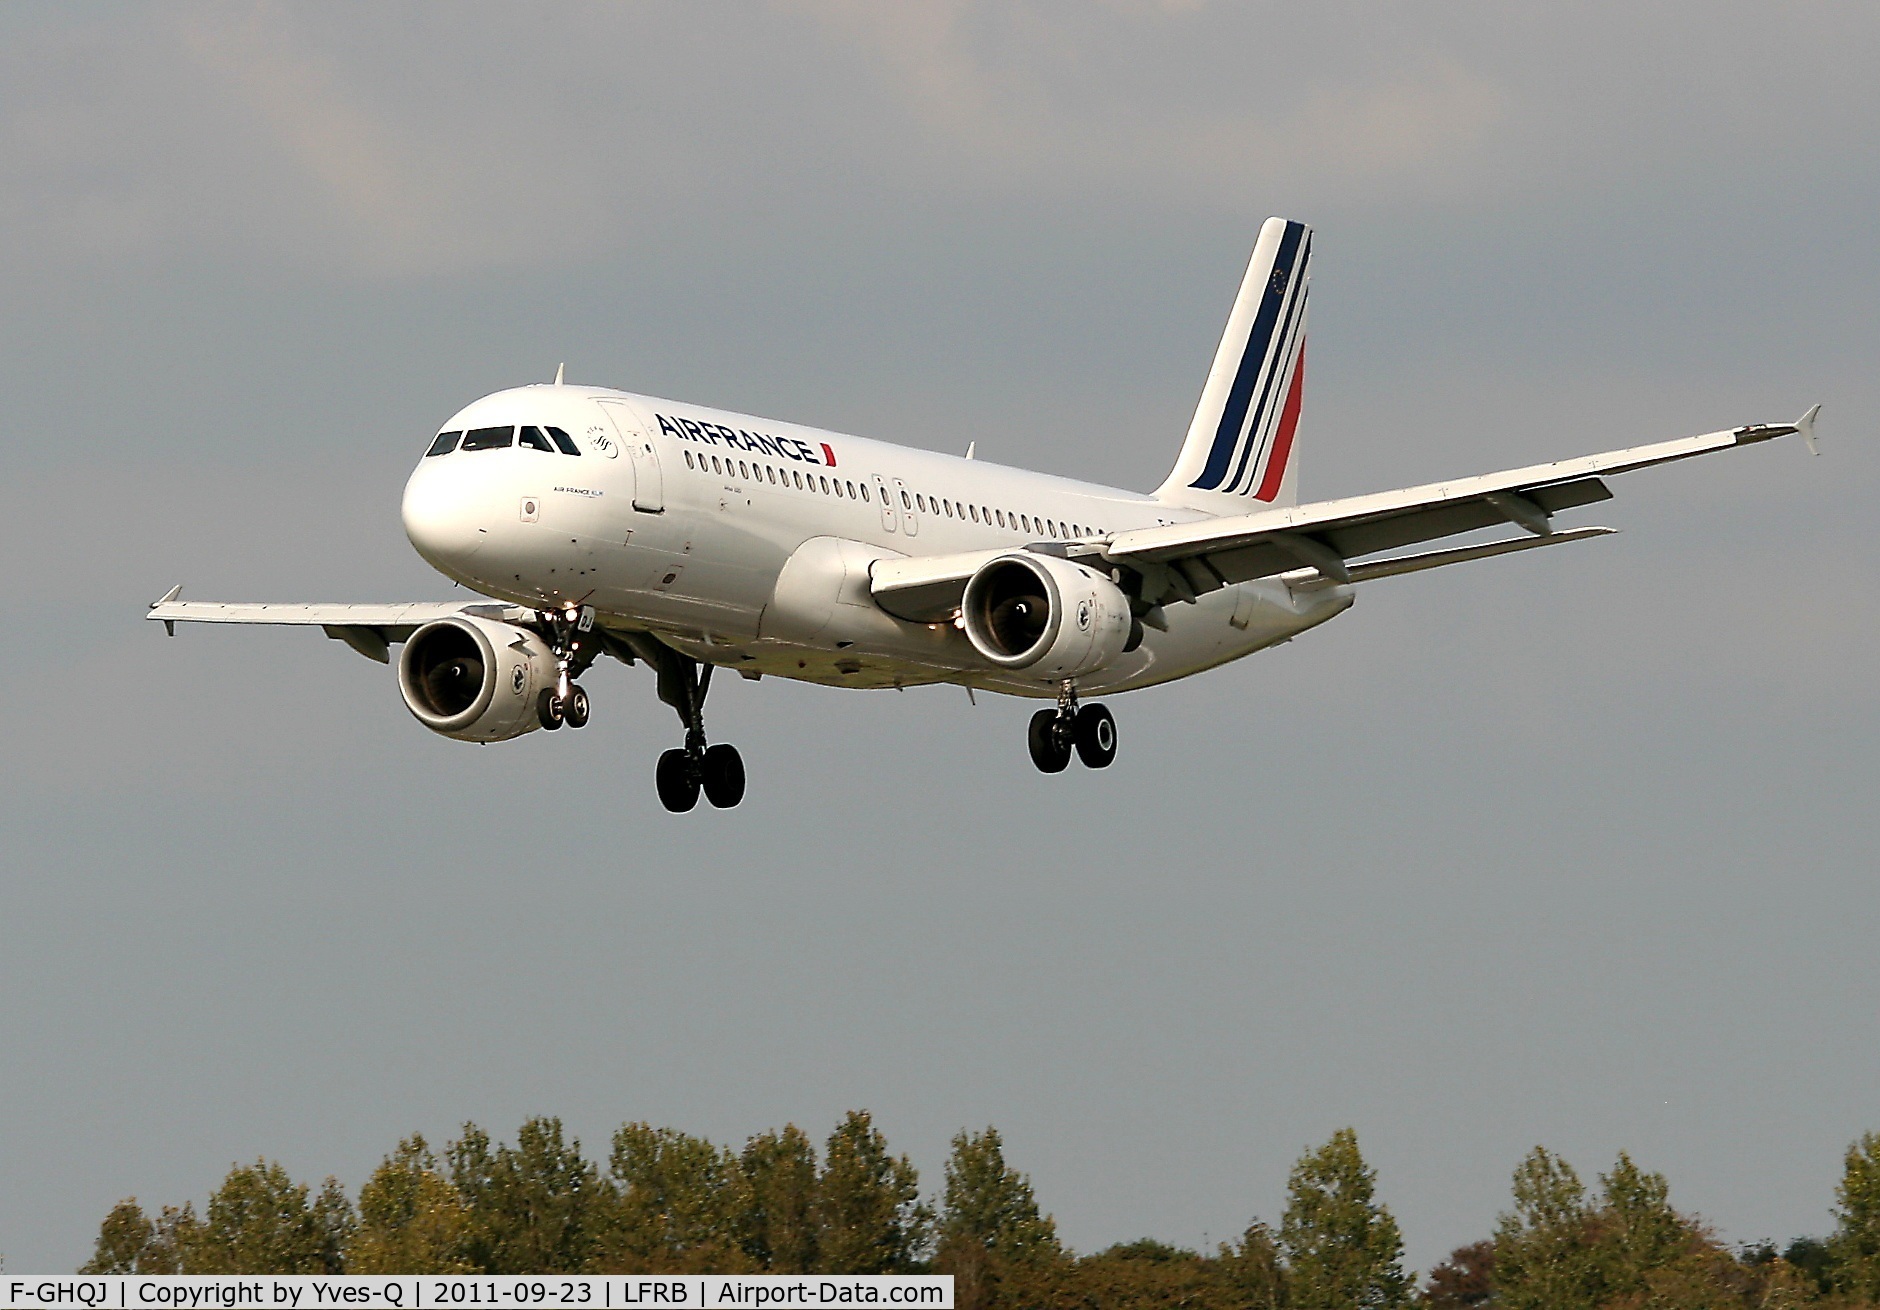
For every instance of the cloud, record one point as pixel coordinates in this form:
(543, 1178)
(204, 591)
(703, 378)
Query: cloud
(421, 141)
(1006, 88)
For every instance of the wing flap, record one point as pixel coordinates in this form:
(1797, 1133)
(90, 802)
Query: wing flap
(1436, 559)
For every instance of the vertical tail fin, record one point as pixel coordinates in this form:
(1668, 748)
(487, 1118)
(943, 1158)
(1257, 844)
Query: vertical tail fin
(1240, 450)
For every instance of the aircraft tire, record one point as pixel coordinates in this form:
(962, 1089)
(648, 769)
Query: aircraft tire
(675, 781)
(1049, 751)
(1096, 736)
(548, 709)
(724, 776)
(577, 708)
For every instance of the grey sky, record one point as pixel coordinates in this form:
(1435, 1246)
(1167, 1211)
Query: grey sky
(1575, 849)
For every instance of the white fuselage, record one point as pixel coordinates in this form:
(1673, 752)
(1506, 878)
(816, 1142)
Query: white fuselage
(745, 542)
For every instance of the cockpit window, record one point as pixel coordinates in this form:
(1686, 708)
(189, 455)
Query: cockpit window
(445, 443)
(488, 438)
(565, 441)
(532, 438)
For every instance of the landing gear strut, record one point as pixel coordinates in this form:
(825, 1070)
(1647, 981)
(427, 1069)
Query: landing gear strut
(686, 770)
(566, 702)
(1089, 730)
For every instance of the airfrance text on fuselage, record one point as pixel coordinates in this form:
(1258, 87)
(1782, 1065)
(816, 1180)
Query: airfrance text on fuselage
(716, 434)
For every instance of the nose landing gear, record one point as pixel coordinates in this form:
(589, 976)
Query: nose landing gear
(1089, 730)
(566, 702)
(554, 710)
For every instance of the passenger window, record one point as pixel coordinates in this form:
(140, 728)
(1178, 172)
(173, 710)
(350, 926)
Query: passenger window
(688, 459)
(920, 502)
(825, 483)
(975, 510)
(444, 443)
(947, 505)
(532, 438)
(905, 502)
(770, 473)
(717, 467)
(1001, 514)
(1026, 520)
(797, 474)
(851, 491)
(488, 438)
(864, 493)
(564, 441)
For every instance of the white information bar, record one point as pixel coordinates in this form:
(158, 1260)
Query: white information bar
(478, 1291)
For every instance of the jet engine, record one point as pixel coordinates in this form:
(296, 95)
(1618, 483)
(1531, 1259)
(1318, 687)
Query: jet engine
(1046, 615)
(475, 679)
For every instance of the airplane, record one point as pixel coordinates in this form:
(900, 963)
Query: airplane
(601, 522)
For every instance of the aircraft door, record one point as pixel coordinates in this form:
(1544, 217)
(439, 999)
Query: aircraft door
(889, 515)
(910, 524)
(649, 491)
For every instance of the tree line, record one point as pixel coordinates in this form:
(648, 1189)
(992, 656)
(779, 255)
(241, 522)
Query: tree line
(669, 1202)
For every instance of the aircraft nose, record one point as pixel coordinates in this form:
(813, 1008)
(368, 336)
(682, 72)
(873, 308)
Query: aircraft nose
(441, 519)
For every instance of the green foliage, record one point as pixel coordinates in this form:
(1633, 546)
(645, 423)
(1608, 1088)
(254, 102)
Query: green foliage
(1811, 1256)
(335, 1224)
(1630, 1251)
(1342, 1247)
(1255, 1269)
(1543, 1256)
(1854, 1249)
(992, 1238)
(869, 1217)
(1141, 1275)
(411, 1219)
(670, 1202)
(991, 1204)
(778, 1232)
(125, 1241)
(681, 1204)
(537, 1207)
(259, 1222)
(1637, 1233)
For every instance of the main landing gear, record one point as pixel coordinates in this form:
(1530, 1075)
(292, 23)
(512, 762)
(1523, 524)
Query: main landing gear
(685, 771)
(566, 702)
(1090, 730)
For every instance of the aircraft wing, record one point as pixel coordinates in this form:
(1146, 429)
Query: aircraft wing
(1316, 541)
(1185, 559)
(368, 629)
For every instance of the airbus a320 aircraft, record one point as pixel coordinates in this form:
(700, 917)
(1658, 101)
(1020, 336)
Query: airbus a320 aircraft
(601, 522)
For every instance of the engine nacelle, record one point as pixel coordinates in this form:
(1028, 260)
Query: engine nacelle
(1047, 615)
(475, 679)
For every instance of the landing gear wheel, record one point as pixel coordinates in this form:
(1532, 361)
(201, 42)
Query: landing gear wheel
(676, 781)
(1096, 736)
(724, 776)
(574, 710)
(548, 709)
(1049, 750)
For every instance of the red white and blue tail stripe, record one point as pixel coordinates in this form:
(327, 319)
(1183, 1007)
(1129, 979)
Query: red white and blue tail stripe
(1240, 446)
